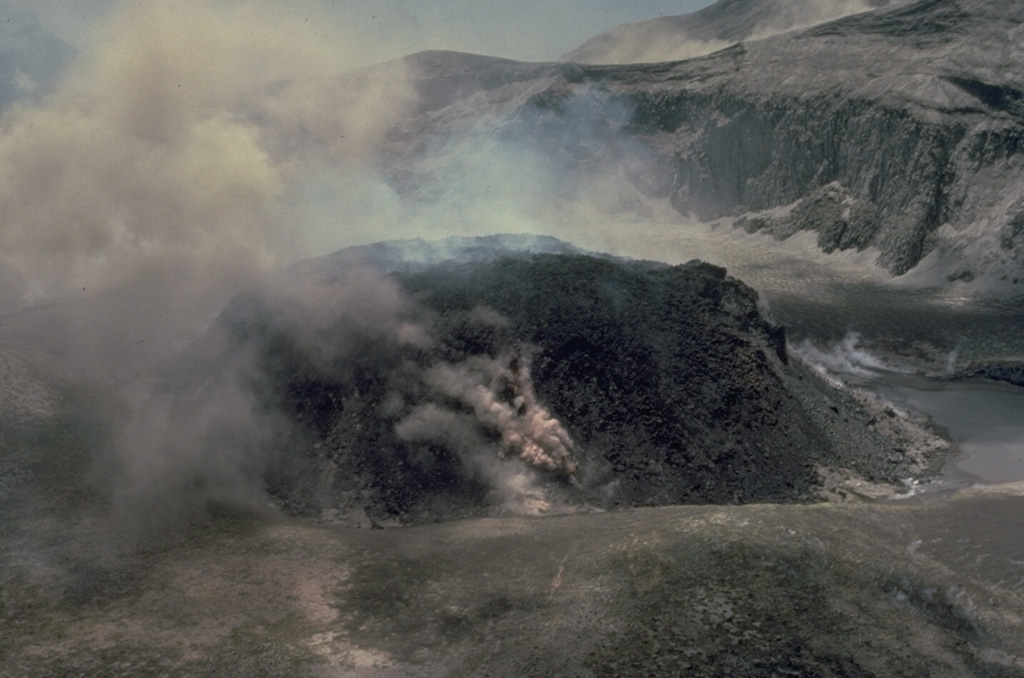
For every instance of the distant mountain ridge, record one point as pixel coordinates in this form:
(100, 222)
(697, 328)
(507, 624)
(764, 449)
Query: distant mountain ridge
(898, 129)
(671, 38)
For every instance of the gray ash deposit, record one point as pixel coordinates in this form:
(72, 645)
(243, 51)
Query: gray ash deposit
(529, 383)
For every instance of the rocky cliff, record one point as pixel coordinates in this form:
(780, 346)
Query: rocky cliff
(897, 129)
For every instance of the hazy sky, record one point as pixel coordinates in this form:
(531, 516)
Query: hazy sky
(524, 29)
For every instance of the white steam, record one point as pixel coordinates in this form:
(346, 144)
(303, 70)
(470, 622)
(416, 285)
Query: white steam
(166, 158)
(501, 396)
(842, 359)
(157, 180)
(796, 15)
(176, 452)
(212, 437)
(486, 410)
(640, 44)
(196, 146)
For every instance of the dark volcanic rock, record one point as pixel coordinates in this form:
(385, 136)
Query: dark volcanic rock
(665, 377)
(543, 381)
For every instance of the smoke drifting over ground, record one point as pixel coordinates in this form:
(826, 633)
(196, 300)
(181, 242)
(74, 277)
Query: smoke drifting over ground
(845, 358)
(192, 150)
(158, 179)
(199, 147)
(501, 396)
(493, 398)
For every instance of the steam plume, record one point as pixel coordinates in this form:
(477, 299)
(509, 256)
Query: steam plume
(172, 167)
(167, 156)
(500, 394)
(486, 410)
(158, 179)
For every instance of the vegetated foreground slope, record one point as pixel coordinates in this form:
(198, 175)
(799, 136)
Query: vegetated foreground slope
(531, 383)
(898, 129)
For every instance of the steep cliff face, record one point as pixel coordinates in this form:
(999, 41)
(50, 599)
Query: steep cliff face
(899, 129)
(859, 173)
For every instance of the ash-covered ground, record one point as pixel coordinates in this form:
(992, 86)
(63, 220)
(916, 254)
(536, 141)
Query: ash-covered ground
(376, 389)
